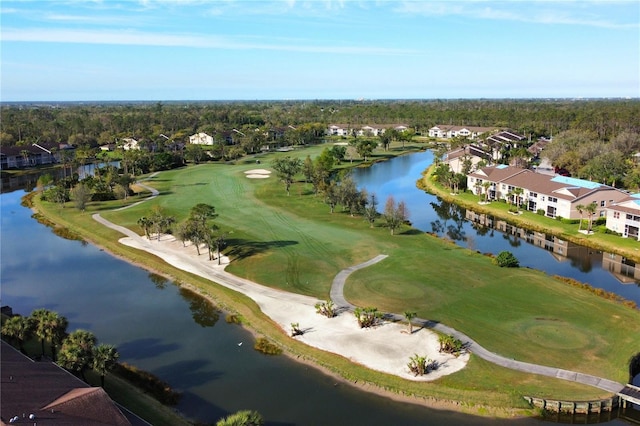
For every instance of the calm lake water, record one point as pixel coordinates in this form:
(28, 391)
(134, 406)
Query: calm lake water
(430, 214)
(182, 339)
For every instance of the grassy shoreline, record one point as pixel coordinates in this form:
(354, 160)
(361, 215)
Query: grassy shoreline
(480, 389)
(534, 222)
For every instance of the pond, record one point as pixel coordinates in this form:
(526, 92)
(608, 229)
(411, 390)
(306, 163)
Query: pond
(429, 213)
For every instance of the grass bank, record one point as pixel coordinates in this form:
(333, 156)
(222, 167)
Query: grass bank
(295, 243)
(611, 243)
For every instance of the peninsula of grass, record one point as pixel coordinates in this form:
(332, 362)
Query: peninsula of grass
(294, 243)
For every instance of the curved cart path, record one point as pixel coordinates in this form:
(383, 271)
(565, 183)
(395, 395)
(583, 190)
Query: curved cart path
(337, 295)
(258, 291)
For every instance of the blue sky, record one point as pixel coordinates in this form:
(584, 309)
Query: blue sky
(249, 50)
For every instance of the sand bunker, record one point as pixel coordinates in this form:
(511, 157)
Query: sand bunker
(386, 348)
(258, 173)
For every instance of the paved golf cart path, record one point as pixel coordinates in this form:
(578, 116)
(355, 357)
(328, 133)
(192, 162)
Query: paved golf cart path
(337, 296)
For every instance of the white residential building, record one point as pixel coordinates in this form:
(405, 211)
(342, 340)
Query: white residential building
(447, 132)
(201, 139)
(624, 217)
(556, 196)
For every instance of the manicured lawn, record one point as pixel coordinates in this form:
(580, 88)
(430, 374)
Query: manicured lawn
(295, 243)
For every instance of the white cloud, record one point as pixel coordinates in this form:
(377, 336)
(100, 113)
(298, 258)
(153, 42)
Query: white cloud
(585, 13)
(137, 38)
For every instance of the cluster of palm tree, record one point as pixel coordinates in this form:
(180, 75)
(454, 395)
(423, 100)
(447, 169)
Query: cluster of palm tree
(198, 229)
(79, 350)
(590, 209)
(157, 223)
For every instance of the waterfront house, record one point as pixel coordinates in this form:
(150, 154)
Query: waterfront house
(456, 158)
(18, 157)
(623, 217)
(441, 131)
(555, 196)
(366, 130)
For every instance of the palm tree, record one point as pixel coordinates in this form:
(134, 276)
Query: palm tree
(580, 208)
(57, 331)
(76, 353)
(409, 315)
(19, 329)
(145, 224)
(486, 186)
(478, 187)
(104, 359)
(517, 193)
(591, 210)
(39, 318)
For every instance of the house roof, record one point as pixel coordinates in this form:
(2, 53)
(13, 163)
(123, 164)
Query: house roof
(476, 129)
(630, 204)
(562, 187)
(504, 137)
(470, 150)
(53, 395)
(497, 173)
(16, 150)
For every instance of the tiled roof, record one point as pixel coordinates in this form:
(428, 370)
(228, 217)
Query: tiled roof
(558, 186)
(51, 394)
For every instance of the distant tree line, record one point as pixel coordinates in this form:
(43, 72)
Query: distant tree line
(157, 124)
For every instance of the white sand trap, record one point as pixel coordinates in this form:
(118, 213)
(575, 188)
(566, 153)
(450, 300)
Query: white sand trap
(386, 348)
(258, 173)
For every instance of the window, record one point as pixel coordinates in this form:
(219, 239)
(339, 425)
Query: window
(533, 195)
(553, 200)
(616, 215)
(602, 203)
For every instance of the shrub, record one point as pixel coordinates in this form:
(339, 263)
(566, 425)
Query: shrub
(148, 382)
(233, 319)
(450, 345)
(506, 259)
(326, 308)
(367, 317)
(540, 212)
(263, 345)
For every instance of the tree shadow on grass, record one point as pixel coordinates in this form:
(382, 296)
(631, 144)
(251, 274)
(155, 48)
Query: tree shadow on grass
(241, 249)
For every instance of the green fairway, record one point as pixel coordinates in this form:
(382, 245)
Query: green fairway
(296, 244)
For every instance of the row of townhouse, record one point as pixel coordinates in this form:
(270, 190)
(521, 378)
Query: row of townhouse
(558, 196)
(443, 131)
(17, 157)
(374, 130)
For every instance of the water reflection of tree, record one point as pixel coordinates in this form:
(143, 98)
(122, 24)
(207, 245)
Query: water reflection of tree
(203, 312)
(159, 281)
(481, 230)
(448, 212)
(513, 239)
(582, 263)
